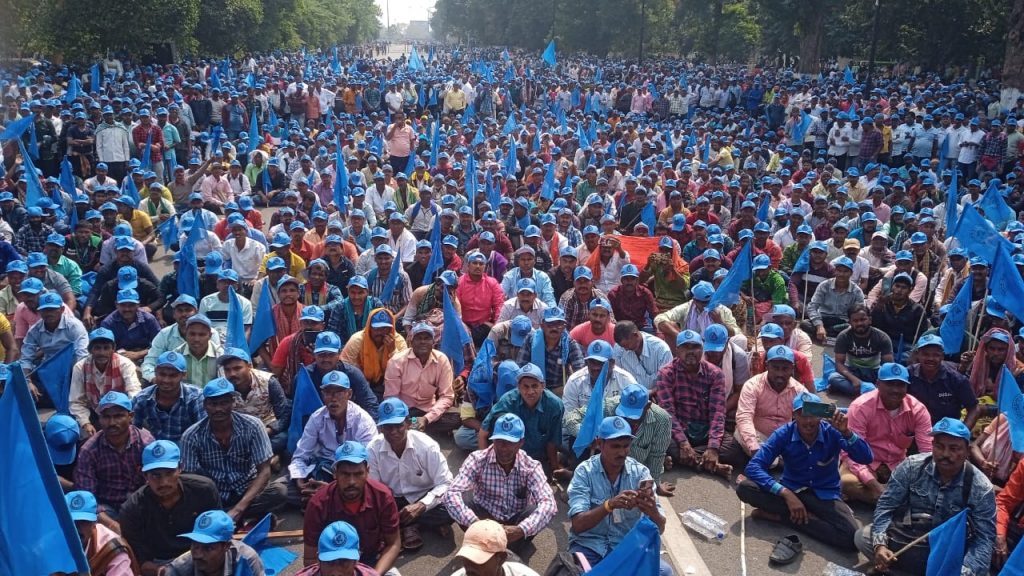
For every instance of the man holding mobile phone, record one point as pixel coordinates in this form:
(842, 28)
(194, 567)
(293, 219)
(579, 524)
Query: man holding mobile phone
(807, 495)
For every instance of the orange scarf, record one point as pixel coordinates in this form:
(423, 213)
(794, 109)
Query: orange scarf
(640, 249)
(374, 361)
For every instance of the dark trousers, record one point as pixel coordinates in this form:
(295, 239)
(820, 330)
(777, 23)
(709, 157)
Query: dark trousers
(117, 170)
(448, 422)
(729, 452)
(830, 521)
(398, 164)
(434, 518)
(484, 514)
(273, 497)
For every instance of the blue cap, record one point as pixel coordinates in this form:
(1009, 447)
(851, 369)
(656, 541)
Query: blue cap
(172, 359)
(210, 527)
(843, 261)
(218, 387)
(508, 427)
(336, 378)
(185, 299)
(351, 452)
(55, 239)
(905, 256)
(780, 352)
(327, 342)
(703, 291)
(599, 350)
(783, 310)
(530, 370)
(275, 263)
(420, 328)
(799, 399)
(286, 279)
(62, 433)
(891, 371)
(314, 313)
(526, 284)
(127, 278)
(614, 427)
(339, 541)
(929, 340)
(49, 301)
(37, 259)
(600, 303)
(762, 262)
(101, 334)
(630, 270)
(952, 427)
(114, 398)
(716, 337)
(82, 505)
(162, 454)
(17, 266)
(689, 337)
(771, 330)
(233, 353)
(632, 402)
(392, 411)
(31, 286)
(128, 296)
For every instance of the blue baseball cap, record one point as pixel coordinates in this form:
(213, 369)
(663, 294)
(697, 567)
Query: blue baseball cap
(952, 427)
(689, 337)
(599, 350)
(392, 411)
(929, 340)
(336, 378)
(114, 398)
(37, 259)
(799, 399)
(630, 270)
(508, 427)
(843, 261)
(519, 327)
(184, 299)
(614, 427)
(351, 452)
(101, 334)
(339, 541)
(632, 402)
(327, 342)
(703, 291)
(582, 272)
(716, 337)
(62, 433)
(527, 285)
(234, 353)
(210, 527)
(218, 387)
(314, 313)
(172, 359)
(893, 372)
(275, 263)
(762, 262)
(31, 286)
(381, 319)
(128, 296)
(780, 352)
(82, 505)
(771, 330)
(17, 266)
(162, 454)
(530, 370)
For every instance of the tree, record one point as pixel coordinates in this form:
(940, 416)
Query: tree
(1013, 62)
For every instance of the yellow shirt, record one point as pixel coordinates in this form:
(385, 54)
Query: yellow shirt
(5, 328)
(142, 225)
(297, 266)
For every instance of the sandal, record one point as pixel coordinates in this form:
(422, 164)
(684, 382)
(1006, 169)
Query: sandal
(787, 549)
(411, 539)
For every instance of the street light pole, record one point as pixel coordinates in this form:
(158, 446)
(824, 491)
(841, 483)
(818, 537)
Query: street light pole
(643, 21)
(874, 46)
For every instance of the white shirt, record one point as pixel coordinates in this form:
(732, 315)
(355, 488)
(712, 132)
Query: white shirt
(406, 243)
(246, 261)
(421, 474)
(969, 154)
(611, 273)
(836, 145)
(644, 368)
(578, 387)
(80, 405)
(394, 101)
(219, 319)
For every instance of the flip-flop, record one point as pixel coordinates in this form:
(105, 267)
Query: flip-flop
(411, 539)
(787, 549)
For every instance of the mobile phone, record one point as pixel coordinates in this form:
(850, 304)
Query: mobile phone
(646, 485)
(820, 409)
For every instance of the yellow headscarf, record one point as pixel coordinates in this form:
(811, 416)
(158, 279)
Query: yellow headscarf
(375, 361)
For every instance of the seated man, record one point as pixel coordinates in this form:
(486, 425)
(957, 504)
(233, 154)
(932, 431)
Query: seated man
(889, 420)
(502, 483)
(639, 354)
(830, 305)
(110, 463)
(772, 335)
(259, 394)
(91, 378)
(600, 326)
(481, 296)
(296, 349)
(361, 501)
(807, 496)
(693, 392)
(199, 350)
(338, 553)
(153, 516)
(348, 317)
(134, 329)
(373, 346)
(551, 347)
(412, 465)
(524, 303)
(422, 378)
(50, 335)
(172, 337)
(579, 386)
(169, 406)
(215, 306)
(765, 401)
(860, 350)
(608, 494)
(325, 359)
(105, 551)
(243, 480)
(213, 550)
(943, 390)
(648, 423)
(631, 300)
(541, 412)
(937, 483)
(337, 421)
(695, 316)
(484, 552)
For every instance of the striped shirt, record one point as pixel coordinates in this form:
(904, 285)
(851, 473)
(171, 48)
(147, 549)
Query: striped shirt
(233, 469)
(694, 401)
(168, 424)
(653, 437)
(504, 496)
(109, 473)
(644, 367)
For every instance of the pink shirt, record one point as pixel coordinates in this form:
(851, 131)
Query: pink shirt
(121, 565)
(426, 387)
(216, 191)
(584, 334)
(762, 410)
(23, 320)
(481, 301)
(888, 435)
(400, 143)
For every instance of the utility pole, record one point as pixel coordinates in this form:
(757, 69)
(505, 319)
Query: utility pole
(643, 22)
(874, 47)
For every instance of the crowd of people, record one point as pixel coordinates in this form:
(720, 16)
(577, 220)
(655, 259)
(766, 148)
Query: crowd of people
(679, 238)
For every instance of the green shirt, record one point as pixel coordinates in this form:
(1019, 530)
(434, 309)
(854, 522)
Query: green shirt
(652, 439)
(71, 272)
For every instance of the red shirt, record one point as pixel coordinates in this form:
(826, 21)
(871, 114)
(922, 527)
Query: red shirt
(377, 517)
(139, 136)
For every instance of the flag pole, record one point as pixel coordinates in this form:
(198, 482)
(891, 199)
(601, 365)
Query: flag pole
(980, 314)
(897, 553)
(803, 304)
(930, 300)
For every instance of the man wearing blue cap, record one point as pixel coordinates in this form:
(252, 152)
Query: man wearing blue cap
(32, 238)
(828, 310)
(109, 463)
(172, 336)
(133, 328)
(326, 350)
(939, 386)
(338, 553)
(551, 347)
(694, 315)
(213, 550)
(860, 350)
(259, 394)
(104, 549)
(622, 489)
(91, 378)
(412, 465)
(933, 485)
(576, 302)
(55, 330)
(807, 496)
(215, 306)
(155, 514)
(422, 377)
(169, 406)
(356, 498)
(244, 480)
(501, 482)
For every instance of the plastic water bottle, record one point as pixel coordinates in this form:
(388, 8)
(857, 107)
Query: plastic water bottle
(695, 520)
(832, 569)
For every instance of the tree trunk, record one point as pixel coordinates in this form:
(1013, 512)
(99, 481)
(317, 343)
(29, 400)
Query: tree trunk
(716, 23)
(811, 29)
(1013, 62)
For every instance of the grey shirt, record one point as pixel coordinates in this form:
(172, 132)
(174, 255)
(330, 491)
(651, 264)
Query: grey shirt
(827, 301)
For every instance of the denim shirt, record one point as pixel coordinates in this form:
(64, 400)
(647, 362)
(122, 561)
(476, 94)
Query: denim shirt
(590, 488)
(923, 491)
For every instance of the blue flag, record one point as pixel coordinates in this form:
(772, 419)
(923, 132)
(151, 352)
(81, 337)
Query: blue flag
(471, 181)
(828, 366)
(510, 125)
(952, 206)
(73, 90)
(415, 63)
(803, 263)
(943, 153)
(481, 376)
(436, 263)
(55, 375)
(272, 118)
(454, 337)
(147, 153)
(594, 414)
(236, 322)
(954, 325)
(647, 217)
(263, 327)
(421, 97)
(706, 153)
(800, 130)
(848, 76)
(493, 194)
(37, 535)
(188, 270)
(129, 189)
(728, 292)
(764, 208)
(638, 167)
(94, 78)
(307, 400)
(341, 180)
(67, 181)
(638, 554)
(275, 558)
(250, 80)
(215, 135)
(33, 142)
(1015, 563)
(214, 79)
(34, 188)
(479, 138)
(512, 165)
(254, 131)
(549, 187)
(977, 235)
(946, 543)
(389, 287)
(1011, 404)
(995, 207)
(549, 54)
(435, 142)
(1005, 284)
(17, 128)
(169, 233)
